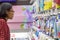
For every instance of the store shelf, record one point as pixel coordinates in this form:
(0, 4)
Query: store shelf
(45, 37)
(20, 30)
(20, 36)
(41, 15)
(18, 22)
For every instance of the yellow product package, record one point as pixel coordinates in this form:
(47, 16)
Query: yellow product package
(47, 5)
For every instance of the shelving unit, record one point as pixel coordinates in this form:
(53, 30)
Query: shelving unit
(44, 14)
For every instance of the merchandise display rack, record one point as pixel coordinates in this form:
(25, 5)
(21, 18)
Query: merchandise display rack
(47, 13)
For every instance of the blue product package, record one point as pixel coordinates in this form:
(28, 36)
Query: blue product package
(56, 20)
(36, 18)
(54, 25)
(59, 16)
(37, 33)
(41, 4)
(7, 0)
(47, 23)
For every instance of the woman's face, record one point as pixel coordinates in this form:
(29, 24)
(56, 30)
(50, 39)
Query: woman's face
(10, 13)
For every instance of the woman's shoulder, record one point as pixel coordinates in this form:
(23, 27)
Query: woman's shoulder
(2, 21)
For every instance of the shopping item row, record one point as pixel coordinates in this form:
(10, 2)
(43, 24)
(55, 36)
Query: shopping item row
(49, 25)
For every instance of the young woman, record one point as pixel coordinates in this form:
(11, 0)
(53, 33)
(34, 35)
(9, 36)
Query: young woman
(6, 12)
